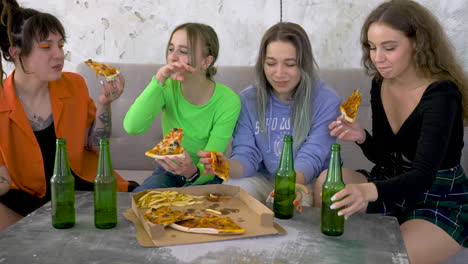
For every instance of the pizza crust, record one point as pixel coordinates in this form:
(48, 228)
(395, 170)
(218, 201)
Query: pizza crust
(112, 77)
(152, 155)
(346, 117)
(349, 109)
(201, 230)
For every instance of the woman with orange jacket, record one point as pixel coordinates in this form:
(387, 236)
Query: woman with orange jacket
(39, 103)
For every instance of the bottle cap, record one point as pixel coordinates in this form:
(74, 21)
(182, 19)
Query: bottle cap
(335, 147)
(103, 141)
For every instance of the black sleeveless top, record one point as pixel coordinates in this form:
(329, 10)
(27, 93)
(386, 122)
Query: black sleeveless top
(46, 139)
(24, 203)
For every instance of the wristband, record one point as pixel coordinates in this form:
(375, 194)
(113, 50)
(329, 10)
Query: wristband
(195, 176)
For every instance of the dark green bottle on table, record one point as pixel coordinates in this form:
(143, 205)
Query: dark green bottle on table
(62, 186)
(285, 182)
(332, 223)
(105, 189)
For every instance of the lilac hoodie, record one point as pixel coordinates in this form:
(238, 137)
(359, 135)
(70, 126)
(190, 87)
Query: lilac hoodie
(257, 152)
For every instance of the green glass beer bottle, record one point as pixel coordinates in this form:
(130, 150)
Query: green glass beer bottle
(332, 223)
(285, 182)
(105, 189)
(62, 186)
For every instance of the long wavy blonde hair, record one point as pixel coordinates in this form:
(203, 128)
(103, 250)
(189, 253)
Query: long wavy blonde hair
(301, 113)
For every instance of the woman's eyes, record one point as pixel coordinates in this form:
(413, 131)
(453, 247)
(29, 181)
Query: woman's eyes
(273, 64)
(47, 46)
(385, 48)
(184, 52)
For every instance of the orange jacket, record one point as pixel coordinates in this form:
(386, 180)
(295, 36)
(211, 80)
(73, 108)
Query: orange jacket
(73, 112)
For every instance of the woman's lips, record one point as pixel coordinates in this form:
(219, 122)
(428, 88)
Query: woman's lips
(281, 83)
(58, 67)
(383, 68)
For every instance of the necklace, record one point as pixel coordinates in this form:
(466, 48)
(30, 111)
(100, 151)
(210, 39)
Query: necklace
(28, 110)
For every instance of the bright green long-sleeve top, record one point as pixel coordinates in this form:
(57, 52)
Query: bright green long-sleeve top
(206, 127)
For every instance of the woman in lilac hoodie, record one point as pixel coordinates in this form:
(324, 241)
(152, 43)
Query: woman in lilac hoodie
(288, 98)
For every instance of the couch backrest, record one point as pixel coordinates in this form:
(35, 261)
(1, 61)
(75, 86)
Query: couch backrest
(128, 150)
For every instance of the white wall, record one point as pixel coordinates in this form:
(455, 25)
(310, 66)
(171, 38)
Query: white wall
(137, 30)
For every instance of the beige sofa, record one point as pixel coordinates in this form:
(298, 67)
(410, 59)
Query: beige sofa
(128, 150)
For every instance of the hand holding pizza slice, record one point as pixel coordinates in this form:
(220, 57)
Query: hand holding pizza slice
(219, 165)
(170, 146)
(351, 106)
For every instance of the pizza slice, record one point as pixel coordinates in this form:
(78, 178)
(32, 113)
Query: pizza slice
(165, 216)
(219, 166)
(209, 225)
(170, 146)
(350, 108)
(103, 69)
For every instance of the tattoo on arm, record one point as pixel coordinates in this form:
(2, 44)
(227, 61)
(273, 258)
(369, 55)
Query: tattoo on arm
(105, 130)
(105, 118)
(100, 133)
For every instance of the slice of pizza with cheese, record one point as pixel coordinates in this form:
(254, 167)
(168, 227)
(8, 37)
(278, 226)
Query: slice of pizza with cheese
(219, 166)
(209, 225)
(170, 146)
(350, 108)
(165, 216)
(103, 69)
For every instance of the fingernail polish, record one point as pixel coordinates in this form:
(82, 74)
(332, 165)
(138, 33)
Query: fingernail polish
(332, 206)
(295, 202)
(210, 160)
(340, 213)
(333, 198)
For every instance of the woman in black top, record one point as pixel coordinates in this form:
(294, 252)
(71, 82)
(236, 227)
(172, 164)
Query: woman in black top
(419, 105)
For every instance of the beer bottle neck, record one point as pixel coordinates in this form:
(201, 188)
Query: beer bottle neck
(334, 168)
(287, 160)
(61, 166)
(104, 162)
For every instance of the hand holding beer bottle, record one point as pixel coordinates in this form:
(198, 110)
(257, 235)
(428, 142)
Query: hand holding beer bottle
(332, 224)
(285, 182)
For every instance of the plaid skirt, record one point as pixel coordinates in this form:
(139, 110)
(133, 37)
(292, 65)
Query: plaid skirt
(445, 204)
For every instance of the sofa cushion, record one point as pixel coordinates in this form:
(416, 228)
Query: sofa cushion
(128, 150)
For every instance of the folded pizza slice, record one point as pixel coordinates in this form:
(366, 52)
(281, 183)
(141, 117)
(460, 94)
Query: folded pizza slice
(219, 166)
(170, 146)
(109, 72)
(209, 225)
(351, 106)
(165, 216)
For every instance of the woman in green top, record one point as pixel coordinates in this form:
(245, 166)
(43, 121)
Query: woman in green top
(187, 97)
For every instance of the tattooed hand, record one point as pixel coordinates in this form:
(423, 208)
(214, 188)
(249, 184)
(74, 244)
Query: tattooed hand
(111, 90)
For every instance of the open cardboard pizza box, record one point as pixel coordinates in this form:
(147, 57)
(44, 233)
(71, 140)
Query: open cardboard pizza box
(246, 211)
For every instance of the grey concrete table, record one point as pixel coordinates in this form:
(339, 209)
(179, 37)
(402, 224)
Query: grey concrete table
(367, 239)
